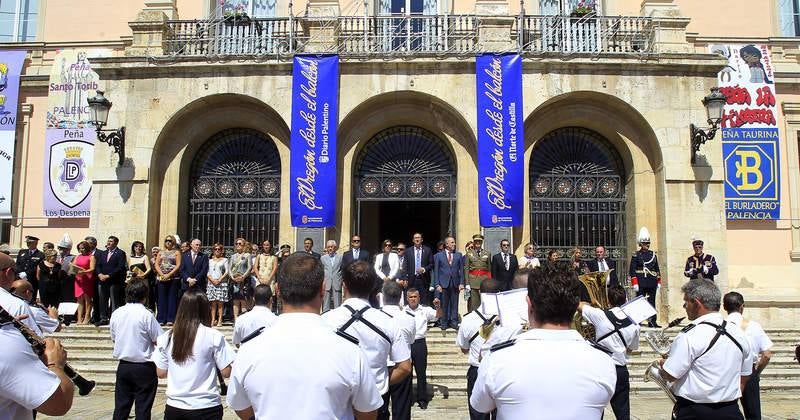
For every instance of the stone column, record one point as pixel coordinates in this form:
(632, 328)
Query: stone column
(149, 30)
(669, 27)
(322, 29)
(168, 7)
(494, 26)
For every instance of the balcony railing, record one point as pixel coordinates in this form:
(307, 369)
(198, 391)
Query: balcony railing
(404, 36)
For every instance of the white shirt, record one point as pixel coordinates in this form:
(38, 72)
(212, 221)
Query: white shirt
(422, 316)
(133, 330)
(394, 265)
(715, 376)
(42, 318)
(405, 322)
(546, 374)
(613, 342)
(259, 316)
(25, 382)
(193, 384)
(300, 369)
(756, 336)
(471, 324)
(18, 307)
(525, 262)
(377, 349)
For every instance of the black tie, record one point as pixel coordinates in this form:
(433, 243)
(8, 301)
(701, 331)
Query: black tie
(385, 265)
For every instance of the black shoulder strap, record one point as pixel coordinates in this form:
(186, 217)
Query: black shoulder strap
(618, 324)
(503, 345)
(347, 336)
(720, 331)
(253, 335)
(600, 347)
(358, 316)
(411, 314)
(486, 321)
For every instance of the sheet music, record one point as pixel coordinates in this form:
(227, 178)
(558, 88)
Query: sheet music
(638, 309)
(67, 308)
(511, 306)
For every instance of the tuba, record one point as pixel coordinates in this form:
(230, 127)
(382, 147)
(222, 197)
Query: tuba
(595, 283)
(660, 343)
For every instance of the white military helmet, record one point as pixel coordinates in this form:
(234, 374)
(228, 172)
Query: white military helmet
(66, 242)
(644, 235)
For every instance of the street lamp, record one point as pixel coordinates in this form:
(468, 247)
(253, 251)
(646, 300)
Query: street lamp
(98, 109)
(715, 105)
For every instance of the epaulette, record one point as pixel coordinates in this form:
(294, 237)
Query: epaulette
(600, 347)
(503, 345)
(688, 328)
(411, 314)
(253, 335)
(347, 336)
(386, 313)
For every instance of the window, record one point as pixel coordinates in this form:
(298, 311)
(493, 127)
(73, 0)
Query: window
(253, 8)
(789, 17)
(18, 20)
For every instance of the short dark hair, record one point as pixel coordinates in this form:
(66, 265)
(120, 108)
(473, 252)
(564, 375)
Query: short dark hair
(491, 286)
(134, 245)
(113, 238)
(92, 240)
(299, 279)
(616, 295)
(308, 239)
(554, 295)
(262, 295)
(359, 279)
(732, 302)
(135, 291)
(392, 292)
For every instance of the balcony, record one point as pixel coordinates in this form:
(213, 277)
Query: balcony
(354, 37)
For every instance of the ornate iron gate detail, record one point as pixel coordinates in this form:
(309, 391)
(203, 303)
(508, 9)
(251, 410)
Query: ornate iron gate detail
(235, 189)
(577, 195)
(406, 163)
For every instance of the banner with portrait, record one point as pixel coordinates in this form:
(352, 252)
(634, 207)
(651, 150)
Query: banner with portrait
(11, 62)
(315, 113)
(750, 139)
(500, 139)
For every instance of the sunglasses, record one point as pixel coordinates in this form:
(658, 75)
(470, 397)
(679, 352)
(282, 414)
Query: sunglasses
(168, 240)
(356, 240)
(401, 249)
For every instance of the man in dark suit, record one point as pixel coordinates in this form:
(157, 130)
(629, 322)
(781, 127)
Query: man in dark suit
(111, 266)
(419, 264)
(448, 280)
(504, 265)
(602, 263)
(355, 253)
(308, 245)
(27, 261)
(194, 268)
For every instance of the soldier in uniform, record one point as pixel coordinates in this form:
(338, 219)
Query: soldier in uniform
(28, 260)
(644, 272)
(476, 270)
(700, 265)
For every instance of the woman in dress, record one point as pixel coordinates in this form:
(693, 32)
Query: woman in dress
(528, 260)
(189, 356)
(83, 267)
(266, 265)
(239, 268)
(139, 264)
(49, 274)
(168, 264)
(217, 288)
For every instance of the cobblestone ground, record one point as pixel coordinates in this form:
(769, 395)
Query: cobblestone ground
(99, 405)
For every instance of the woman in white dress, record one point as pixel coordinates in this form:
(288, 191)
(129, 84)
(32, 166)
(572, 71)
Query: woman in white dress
(217, 288)
(528, 260)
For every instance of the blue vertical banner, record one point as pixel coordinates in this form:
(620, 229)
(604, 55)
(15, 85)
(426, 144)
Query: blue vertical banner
(11, 62)
(500, 139)
(315, 116)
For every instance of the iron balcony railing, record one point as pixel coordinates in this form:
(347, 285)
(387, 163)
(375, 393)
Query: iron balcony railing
(404, 36)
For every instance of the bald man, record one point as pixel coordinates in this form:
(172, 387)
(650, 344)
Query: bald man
(45, 318)
(13, 304)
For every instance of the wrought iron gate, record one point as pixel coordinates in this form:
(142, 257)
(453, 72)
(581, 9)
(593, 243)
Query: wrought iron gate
(406, 163)
(577, 195)
(235, 189)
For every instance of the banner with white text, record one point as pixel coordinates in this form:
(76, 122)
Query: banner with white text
(750, 140)
(315, 113)
(10, 69)
(500, 139)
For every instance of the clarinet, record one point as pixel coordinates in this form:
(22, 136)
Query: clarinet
(38, 345)
(223, 389)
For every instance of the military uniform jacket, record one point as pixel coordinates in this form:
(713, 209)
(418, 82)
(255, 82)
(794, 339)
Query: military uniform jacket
(644, 266)
(480, 260)
(27, 261)
(695, 267)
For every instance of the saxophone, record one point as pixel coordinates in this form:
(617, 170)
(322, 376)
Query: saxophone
(660, 343)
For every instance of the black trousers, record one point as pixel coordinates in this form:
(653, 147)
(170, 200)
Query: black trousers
(109, 291)
(472, 376)
(400, 397)
(211, 413)
(383, 412)
(688, 410)
(95, 299)
(621, 400)
(650, 292)
(419, 358)
(136, 382)
(419, 283)
(751, 397)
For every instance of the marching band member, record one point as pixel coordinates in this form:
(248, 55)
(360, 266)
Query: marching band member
(644, 272)
(550, 371)
(260, 316)
(700, 265)
(760, 346)
(419, 347)
(299, 368)
(399, 393)
(709, 361)
(377, 333)
(134, 331)
(616, 332)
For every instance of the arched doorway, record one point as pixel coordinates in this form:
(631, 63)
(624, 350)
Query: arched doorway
(235, 189)
(405, 182)
(577, 194)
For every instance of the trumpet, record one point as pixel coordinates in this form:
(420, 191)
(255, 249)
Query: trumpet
(660, 343)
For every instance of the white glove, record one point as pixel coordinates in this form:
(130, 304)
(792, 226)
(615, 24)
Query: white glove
(705, 269)
(468, 288)
(23, 275)
(636, 287)
(430, 289)
(659, 286)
